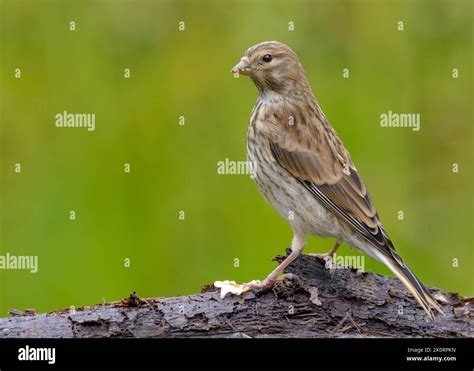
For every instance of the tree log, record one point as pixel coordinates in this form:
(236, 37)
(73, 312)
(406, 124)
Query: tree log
(320, 302)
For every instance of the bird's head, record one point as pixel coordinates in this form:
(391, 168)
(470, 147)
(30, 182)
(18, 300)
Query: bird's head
(272, 66)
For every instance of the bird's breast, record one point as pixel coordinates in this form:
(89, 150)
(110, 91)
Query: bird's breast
(284, 192)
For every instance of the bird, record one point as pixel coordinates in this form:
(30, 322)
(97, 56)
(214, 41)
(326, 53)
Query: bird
(305, 172)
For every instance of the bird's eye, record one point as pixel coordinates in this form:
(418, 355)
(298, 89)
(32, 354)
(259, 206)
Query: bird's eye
(267, 58)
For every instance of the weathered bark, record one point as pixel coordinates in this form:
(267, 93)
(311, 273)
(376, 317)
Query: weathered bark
(320, 303)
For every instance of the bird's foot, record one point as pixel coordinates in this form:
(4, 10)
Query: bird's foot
(327, 259)
(328, 256)
(288, 277)
(267, 283)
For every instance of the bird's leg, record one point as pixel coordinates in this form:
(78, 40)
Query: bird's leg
(329, 254)
(297, 246)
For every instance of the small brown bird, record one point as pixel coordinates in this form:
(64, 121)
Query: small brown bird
(306, 173)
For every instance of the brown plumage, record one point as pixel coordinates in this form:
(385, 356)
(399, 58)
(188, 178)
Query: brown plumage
(305, 171)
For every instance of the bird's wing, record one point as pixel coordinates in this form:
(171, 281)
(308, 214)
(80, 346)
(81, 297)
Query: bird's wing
(310, 150)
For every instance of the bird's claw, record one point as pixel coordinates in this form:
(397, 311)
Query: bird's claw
(327, 259)
(288, 277)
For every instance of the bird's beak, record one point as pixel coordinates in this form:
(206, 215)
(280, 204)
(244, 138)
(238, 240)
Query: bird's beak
(241, 67)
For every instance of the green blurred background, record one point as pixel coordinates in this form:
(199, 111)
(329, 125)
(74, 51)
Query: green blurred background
(135, 215)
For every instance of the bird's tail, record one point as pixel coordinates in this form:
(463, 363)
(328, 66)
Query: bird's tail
(413, 284)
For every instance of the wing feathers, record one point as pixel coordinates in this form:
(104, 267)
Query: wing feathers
(329, 174)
